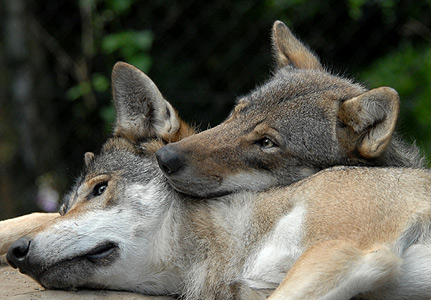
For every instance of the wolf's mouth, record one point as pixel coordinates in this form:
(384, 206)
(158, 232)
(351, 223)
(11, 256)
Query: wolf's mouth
(71, 272)
(101, 251)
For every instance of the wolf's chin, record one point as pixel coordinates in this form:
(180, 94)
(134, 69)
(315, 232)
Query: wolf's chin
(201, 190)
(203, 193)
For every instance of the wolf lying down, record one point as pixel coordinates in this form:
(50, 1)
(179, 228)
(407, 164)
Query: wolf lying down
(302, 120)
(341, 233)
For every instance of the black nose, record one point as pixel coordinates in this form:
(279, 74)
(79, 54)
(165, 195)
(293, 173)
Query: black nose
(170, 160)
(17, 255)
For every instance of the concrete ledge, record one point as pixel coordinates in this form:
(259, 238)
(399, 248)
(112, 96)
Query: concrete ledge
(16, 286)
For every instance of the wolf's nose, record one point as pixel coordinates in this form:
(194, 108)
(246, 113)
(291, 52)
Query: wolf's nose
(17, 254)
(169, 160)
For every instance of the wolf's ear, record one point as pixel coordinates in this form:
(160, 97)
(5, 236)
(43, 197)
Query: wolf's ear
(142, 112)
(372, 116)
(88, 158)
(290, 51)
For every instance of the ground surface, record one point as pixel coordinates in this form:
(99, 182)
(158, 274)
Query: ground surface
(16, 286)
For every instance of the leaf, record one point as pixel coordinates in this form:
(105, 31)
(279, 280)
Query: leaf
(107, 114)
(78, 90)
(128, 42)
(142, 62)
(100, 82)
(119, 6)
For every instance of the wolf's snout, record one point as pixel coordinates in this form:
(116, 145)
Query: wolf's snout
(170, 160)
(17, 254)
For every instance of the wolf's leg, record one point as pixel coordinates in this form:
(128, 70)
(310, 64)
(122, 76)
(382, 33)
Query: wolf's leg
(13, 229)
(337, 270)
(415, 278)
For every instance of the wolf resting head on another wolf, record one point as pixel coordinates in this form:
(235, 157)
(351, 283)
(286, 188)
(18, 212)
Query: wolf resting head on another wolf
(302, 120)
(337, 234)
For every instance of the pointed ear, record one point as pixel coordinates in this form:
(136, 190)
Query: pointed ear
(142, 112)
(290, 51)
(88, 158)
(372, 116)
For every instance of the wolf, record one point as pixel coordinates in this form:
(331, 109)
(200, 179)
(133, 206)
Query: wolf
(341, 233)
(303, 120)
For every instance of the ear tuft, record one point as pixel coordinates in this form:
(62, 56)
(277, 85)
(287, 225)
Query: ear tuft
(290, 51)
(372, 116)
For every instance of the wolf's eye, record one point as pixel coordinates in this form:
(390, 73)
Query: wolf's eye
(266, 143)
(100, 188)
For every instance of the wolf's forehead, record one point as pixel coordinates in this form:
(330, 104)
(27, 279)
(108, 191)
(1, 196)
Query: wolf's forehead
(122, 162)
(288, 85)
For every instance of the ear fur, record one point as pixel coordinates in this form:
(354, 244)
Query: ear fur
(142, 112)
(290, 51)
(88, 158)
(373, 116)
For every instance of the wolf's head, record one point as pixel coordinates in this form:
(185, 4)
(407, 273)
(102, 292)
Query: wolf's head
(112, 217)
(302, 120)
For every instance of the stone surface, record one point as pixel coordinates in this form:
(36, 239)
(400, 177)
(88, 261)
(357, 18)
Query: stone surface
(16, 286)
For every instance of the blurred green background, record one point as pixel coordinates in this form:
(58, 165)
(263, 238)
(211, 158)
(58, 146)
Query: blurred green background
(56, 57)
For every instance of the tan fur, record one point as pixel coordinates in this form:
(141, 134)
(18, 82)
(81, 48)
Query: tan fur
(12, 229)
(339, 259)
(153, 146)
(341, 226)
(359, 222)
(183, 131)
(270, 207)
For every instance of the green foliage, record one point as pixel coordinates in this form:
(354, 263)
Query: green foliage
(107, 114)
(79, 90)
(99, 83)
(119, 7)
(282, 4)
(131, 46)
(128, 45)
(386, 6)
(355, 8)
(408, 70)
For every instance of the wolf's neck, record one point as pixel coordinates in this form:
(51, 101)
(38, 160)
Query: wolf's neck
(404, 155)
(401, 154)
(166, 253)
(214, 245)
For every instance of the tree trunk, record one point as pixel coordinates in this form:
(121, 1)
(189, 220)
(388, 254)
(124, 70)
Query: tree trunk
(27, 145)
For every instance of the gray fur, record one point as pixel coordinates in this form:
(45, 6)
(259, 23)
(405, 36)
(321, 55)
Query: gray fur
(315, 120)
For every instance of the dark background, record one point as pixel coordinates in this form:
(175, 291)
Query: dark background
(56, 57)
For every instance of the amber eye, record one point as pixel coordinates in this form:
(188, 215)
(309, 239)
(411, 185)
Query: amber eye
(266, 143)
(100, 188)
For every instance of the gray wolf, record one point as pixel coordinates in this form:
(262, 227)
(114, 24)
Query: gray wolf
(341, 233)
(301, 121)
